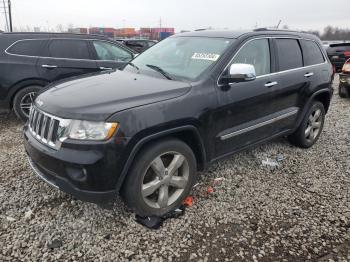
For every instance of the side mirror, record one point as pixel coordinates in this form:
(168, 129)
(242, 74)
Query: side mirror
(240, 73)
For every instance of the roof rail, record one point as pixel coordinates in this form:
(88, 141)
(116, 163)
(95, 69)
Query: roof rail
(275, 30)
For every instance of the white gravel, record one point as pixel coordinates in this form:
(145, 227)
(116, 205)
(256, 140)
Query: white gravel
(296, 212)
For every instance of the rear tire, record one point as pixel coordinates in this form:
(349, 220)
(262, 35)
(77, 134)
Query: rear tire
(310, 128)
(160, 178)
(23, 101)
(343, 93)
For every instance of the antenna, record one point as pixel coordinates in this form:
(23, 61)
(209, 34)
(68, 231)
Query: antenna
(278, 25)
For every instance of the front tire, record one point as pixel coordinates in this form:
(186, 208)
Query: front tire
(310, 128)
(23, 101)
(160, 178)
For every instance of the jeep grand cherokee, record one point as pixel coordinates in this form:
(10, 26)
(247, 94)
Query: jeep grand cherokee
(179, 106)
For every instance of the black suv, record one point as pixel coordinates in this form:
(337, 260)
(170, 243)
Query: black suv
(179, 106)
(30, 61)
(138, 45)
(338, 54)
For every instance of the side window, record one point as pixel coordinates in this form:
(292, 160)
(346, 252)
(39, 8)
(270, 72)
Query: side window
(256, 53)
(69, 48)
(108, 51)
(312, 53)
(27, 47)
(289, 54)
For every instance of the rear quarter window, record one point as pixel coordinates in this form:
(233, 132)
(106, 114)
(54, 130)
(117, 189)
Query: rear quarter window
(27, 47)
(312, 53)
(289, 54)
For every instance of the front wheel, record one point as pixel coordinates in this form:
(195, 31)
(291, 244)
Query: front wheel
(160, 179)
(23, 101)
(311, 126)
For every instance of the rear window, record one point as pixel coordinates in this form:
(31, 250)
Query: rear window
(289, 54)
(69, 48)
(312, 53)
(27, 47)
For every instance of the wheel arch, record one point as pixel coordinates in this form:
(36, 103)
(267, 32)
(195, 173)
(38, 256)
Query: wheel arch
(188, 134)
(25, 83)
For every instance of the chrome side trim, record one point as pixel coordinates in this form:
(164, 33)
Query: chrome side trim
(251, 128)
(39, 174)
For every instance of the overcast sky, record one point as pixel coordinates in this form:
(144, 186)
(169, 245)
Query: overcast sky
(181, 14)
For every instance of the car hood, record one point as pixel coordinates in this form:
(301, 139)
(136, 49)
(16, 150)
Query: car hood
(99, 96)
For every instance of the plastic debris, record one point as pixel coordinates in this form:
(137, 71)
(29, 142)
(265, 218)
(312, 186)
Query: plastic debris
(270, 163)
(210, 190)
(280, 158)
(155, 222)
(218, 181)
(188, 202)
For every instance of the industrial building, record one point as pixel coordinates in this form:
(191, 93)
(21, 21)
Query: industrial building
(129, 32)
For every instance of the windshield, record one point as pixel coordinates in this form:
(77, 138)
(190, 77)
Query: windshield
(183, 57)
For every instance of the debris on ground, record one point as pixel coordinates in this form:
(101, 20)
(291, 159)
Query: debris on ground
(280, 158)
(28, 214)
(56, 243)
(155, 222)
(271, 163)
(188, 202)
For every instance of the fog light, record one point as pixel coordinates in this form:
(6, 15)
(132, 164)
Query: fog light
(77, 174)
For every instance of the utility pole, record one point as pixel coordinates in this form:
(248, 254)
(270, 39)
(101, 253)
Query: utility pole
(10, 14)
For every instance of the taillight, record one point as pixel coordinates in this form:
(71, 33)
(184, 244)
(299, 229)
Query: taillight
(347, 54)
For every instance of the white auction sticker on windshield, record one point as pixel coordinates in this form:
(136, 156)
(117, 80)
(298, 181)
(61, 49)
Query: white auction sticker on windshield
(206, 56)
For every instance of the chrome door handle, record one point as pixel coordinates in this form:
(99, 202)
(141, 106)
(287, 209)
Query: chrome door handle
(271, 84)
(309, 74)
(49, 66)
(105, 68)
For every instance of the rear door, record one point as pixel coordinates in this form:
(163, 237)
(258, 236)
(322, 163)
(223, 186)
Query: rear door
(109, 55)
(66, 58)
(294, 80)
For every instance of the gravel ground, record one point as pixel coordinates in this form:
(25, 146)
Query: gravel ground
(298, 211)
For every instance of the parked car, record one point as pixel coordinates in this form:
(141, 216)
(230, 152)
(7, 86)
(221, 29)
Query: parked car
(338, 54)
(30, 61)
(138, 45)
(344, 83)
(192, 99)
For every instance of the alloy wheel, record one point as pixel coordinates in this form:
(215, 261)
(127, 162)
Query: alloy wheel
(26, 102)
(314, 125)
(165, 180)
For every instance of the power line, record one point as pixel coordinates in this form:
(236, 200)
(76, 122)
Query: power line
(7, 23)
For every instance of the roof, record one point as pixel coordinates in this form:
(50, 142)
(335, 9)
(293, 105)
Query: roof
(231, 34)
(48, 34)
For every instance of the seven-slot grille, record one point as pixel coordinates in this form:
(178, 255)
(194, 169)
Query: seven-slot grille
(44, 127)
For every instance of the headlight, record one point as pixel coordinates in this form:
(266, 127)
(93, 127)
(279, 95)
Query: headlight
(87, 130)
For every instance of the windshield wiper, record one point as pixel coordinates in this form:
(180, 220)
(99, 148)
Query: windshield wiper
(160, 70)
(133, 65)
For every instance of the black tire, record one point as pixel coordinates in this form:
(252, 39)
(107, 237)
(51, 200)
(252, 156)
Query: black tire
(141, 168)
(22, 96)
(343, 93)
(299, 137)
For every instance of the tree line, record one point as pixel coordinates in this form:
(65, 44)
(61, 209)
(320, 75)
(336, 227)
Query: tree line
(332, 33)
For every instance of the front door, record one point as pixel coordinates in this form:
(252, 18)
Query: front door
(110, 56)
(247, 111)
